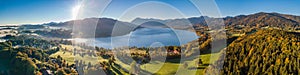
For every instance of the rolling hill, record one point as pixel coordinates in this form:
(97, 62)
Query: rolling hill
(262, 19)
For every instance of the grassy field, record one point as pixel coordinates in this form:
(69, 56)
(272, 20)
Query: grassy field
(167, 68)
(70, 57)
(236, 35)
(158, 68)
(174, 68)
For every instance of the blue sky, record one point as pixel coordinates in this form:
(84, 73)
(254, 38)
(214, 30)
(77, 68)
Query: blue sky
(41, 11)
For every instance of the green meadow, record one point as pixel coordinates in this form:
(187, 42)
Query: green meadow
(156, 67)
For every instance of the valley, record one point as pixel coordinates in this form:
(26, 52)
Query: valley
(260, 43)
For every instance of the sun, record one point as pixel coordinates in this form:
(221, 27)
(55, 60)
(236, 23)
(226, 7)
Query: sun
(75, 11)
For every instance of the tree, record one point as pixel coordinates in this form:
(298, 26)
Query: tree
(200, 62)
(7, 46)
(185, 65)
(133, 68)
(97, 48)
(111, 60)
(60, 72)
(21, 62)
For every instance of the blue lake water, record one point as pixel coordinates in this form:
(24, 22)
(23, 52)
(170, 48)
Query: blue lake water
(146, 37)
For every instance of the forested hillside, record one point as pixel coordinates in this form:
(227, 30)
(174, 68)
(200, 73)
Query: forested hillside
(264, 52)
(23, 55)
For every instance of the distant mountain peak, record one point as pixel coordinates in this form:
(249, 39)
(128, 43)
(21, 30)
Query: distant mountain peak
(139, 21)
(259, 19)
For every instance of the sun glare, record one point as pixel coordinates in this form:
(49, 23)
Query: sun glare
(75, 11)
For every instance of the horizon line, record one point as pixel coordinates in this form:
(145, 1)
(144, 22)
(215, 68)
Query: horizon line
(135, 18)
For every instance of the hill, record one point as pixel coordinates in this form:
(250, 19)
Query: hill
(256, 19)
(260, 19)
(264, 52)
(105, 26)
(263, 19)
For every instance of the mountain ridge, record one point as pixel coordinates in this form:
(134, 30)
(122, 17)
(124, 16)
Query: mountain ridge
(261, 18)
(105, 26)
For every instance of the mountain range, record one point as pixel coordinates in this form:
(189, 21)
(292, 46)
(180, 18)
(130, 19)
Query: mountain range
(105, 26)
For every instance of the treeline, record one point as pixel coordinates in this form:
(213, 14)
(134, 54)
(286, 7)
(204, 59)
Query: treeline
(60, 33)
(203, 45)
(28, 41)
(264, 52)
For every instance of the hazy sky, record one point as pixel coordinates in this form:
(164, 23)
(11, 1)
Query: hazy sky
(41, 11)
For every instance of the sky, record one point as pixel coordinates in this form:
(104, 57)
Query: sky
(43, 11)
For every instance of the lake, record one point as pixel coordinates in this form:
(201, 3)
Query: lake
(144, 37)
